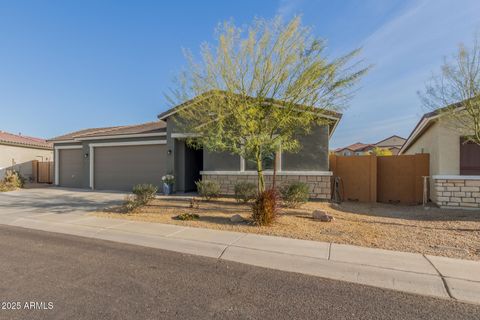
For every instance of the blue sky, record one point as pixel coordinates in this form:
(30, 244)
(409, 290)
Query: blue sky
(69, 65)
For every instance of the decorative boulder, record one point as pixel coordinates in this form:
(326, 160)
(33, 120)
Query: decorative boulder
(322, 216)
(236, 218)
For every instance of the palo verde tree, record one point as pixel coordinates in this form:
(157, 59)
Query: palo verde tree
(381, 151)
(252, 92)
(454, 93)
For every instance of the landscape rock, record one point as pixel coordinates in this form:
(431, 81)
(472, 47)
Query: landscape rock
(322, 216)
(236, 218)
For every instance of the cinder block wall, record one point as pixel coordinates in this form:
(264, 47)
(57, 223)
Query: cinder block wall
(319, 185)
(457, 193)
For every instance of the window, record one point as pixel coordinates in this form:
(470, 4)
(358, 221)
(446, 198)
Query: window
(267, 164)
(469, 158)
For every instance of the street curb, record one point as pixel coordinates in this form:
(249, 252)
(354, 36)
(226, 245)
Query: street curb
(300, 256)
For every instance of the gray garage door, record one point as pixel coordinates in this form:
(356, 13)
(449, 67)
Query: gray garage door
(70, 168)
(120, 168)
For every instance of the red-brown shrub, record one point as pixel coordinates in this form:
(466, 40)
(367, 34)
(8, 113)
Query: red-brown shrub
(265, 207)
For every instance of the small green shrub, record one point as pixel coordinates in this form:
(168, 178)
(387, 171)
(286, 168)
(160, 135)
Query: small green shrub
(295, 194)
(144, 193)
(207, 189)
(265, 208)
(245, 191)
(187, 216)
(130, 203)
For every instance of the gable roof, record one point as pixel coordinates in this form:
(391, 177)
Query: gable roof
(355, 147)
(24, 141)
(334, 116)
(156, 127)
(424, 124)
(391, 137)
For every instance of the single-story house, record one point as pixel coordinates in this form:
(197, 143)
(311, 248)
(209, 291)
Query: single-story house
(116, 158)
(454, 163)
(18, 151)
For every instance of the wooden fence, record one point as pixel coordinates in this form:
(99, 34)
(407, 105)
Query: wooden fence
(388, 179)
(42, 171)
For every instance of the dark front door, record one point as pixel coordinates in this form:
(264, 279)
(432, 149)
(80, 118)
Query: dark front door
(469, 158)
(193, 166)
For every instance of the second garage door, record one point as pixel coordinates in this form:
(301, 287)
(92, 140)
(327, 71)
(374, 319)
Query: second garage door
(70, 170)
(121, 167)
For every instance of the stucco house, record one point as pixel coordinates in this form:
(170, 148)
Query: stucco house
(116, 158)
(454, 164)
(18, 151)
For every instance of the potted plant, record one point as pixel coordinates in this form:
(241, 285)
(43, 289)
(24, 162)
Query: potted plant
(168, 181)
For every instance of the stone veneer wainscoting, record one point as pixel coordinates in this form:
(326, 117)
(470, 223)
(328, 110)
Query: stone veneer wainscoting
(319, 183)
(456, 191)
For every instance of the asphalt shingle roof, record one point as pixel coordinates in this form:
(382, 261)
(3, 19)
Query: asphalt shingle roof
(149, 127)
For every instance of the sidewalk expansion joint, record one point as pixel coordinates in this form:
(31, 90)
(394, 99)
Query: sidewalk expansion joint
(329, 250)
(441, 277)
(175, 232)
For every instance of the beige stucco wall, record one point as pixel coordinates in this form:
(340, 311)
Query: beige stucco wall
(443, 145)
(21, 158)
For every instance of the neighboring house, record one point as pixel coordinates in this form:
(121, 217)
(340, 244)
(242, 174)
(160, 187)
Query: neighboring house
(454, 164)
(18, 151)
(116, 158)
(356, 149)
(393, 143)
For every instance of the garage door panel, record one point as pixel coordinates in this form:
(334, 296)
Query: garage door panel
(70, 168)
(121, 167)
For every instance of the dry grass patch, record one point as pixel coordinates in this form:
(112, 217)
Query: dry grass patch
(451, 233)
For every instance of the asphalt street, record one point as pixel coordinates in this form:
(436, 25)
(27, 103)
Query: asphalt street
(53, 276)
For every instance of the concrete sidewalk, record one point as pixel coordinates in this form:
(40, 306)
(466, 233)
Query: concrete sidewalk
(409, 272)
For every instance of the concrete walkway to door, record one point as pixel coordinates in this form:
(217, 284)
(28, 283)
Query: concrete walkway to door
(64, 211)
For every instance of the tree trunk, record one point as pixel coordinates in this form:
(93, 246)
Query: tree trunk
(261, 178)
(274, 177)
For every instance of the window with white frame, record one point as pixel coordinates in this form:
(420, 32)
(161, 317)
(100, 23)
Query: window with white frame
(267, 164)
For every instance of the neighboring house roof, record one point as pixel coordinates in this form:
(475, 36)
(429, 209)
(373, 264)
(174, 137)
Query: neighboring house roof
(156, 127)
(355, 147)
(23, 141)
(335, 116)
(424, 124)
(386, 143)
(359, 146)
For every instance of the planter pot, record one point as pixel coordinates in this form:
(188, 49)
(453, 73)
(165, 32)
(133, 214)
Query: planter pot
(167, 189)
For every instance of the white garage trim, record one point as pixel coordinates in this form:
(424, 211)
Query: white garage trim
(115, 144)
(57, 167)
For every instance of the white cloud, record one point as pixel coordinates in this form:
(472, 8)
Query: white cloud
(405, 51)
(287, 8)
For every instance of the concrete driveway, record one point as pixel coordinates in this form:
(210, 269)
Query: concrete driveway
(41, 201)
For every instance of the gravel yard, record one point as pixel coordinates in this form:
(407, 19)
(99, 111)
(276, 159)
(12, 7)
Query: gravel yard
(451, 233)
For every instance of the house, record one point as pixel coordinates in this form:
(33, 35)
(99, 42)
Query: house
(116, 158)
(356, 149)
(393, 143)
(454, 164)
(18, 151)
